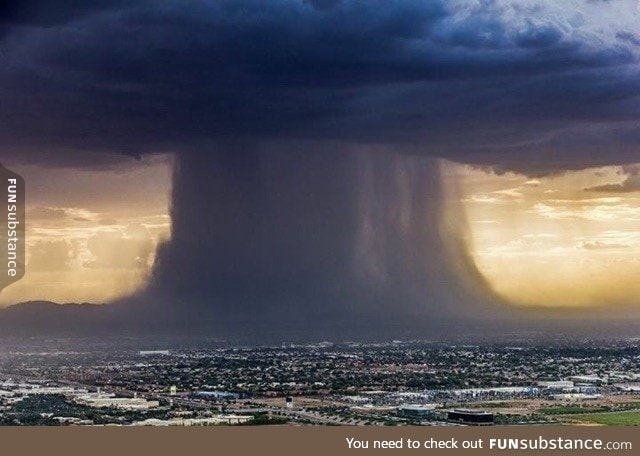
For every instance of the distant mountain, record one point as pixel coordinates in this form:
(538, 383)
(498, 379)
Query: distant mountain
(37, 307)
(35, 317)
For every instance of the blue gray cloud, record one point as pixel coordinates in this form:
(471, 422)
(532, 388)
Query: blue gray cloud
(534, 86)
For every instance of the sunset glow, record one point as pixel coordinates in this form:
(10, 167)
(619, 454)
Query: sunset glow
(92, 233)
(568, 239)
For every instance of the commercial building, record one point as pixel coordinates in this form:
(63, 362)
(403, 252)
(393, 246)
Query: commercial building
(417, 411)
(501, 391)
(123, 403)
(370, 408)
(42, 390)
(589, 379)
(470, 417)
(209, 421)
(217, 395)
(154, 352)
(576, 397)
(628, 387)
(557, 385)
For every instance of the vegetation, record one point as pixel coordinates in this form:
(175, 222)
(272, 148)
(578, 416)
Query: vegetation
(582, 409)
(631, 418)
(502, 419)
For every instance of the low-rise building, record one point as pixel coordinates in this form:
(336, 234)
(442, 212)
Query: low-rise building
(110, 401)
(471, 417)
(208, 421)
(417, 411)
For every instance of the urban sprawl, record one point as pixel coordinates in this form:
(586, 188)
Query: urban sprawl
(393, 383)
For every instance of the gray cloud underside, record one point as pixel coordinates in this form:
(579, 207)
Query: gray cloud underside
(529, 86)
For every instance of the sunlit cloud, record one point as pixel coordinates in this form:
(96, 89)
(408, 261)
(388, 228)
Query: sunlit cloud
(96, 245)
(599, 245)
(606, 211)
(483, 200)
(572, 249)
(512, 192)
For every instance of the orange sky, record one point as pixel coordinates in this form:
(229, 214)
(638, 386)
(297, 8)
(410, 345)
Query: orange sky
(92, 233)
(571, 239)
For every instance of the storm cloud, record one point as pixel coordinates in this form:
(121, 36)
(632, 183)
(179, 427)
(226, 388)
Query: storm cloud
(515, 84)
(307, 132)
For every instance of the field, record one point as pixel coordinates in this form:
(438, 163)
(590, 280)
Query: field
(631, 418)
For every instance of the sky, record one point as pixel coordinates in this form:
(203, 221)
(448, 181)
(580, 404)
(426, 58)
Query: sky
(298, 161)
(83, 244)
(568, 240)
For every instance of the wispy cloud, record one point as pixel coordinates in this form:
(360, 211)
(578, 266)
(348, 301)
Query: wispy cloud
(599, 245)
(510, 192)
(630, 184)
(600, 209)
(483, 199)
(47, 213)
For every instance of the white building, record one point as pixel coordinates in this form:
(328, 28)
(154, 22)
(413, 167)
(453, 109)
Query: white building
(209, 421)
(558, 384)
(109, 401)
(628, 387)
(154, 352)
(34, 390)
(591, 379)
(576, 397)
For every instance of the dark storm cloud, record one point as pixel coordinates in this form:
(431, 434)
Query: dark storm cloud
(46, 13)
(486, 82)
(323, 5)
(630, 37)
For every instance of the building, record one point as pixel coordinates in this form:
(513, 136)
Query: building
(209, 421)
(589, 379)
(575, 397)
(628, 387)
(495, 392)
(470, 417)
(356, 399)
(217, 395)
(72, 421)
(108, 400)
(154, 352)
(37, 390)
(371, 408)
(557, 385)
(417, 411)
